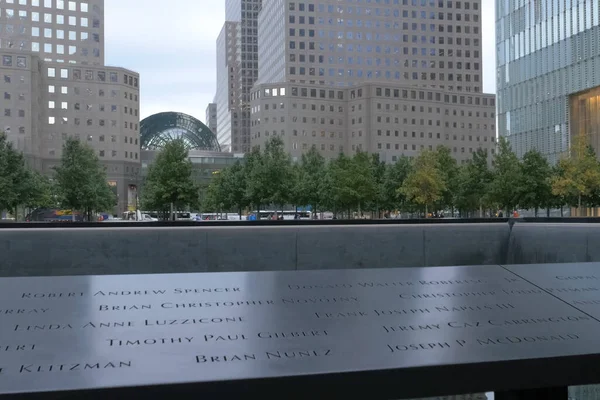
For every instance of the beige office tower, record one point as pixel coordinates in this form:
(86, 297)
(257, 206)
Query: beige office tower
(54, 85)
(392, 77)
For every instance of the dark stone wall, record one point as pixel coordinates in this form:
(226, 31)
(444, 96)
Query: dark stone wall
(537, 243)
(149, 249)
(152, 249)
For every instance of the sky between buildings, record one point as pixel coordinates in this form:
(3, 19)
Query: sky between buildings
(172, 45)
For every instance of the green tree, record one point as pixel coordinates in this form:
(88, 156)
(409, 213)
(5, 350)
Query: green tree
(449, 169)
(378, 169)
(14, 176)
(578, 174)
(277, 167)
(215, 199)
(81, 180)
(169, 183)
(473, 181)
(363, 184)
(310, 178)
(535, 190)
(256, 179)
(425, 184)
(235, 184)
(40, 192)
(395, 175)
(506, 177)
(338, 187)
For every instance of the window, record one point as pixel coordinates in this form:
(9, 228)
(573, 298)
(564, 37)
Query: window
(52, 73)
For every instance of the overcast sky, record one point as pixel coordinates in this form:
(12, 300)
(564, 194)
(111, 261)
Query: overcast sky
(172, 45)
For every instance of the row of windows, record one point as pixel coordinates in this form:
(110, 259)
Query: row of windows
(388, 133)
(379, 92)
(20, 62)
(90, 122)
(332, 47)
(8, 113)
(369, 74)
(20, 129)
(103, 153)
(303, 20)
(52, 89)
(64, 105)
(358, 60)
(310, 7)
(430, 135)
(101, 138)
(48, 18)
(89, 76)
(59, 4)
(388, 146)
(8, 96)
(60, 19)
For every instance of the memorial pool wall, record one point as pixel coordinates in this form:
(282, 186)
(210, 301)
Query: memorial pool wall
(154, 249)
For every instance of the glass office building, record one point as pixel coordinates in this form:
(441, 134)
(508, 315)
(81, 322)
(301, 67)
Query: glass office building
(548, 73)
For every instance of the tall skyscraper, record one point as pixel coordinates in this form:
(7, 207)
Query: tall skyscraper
(548, 71)
(55, 85)
(237, 53)
(211, 117)
(342, 43)
(227, 96)
(389, 77)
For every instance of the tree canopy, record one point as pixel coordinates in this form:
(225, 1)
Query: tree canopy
(81, 180)
(169, 182)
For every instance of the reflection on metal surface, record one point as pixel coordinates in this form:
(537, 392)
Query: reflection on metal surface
(579, 285)
(238, 329)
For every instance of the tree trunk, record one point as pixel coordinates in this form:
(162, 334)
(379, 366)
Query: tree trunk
(73, 215)
(536, 212)
(426, 213)
(561, 212)
(579, 206)
(172, 216)
(548, 212)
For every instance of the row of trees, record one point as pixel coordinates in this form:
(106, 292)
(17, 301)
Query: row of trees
(432, 181)
(78, 183)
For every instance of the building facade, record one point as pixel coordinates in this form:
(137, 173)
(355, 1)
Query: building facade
(211, 117)
(55, 85)
(382, 118)
(237, 57)
(548, 73)
(227, 95)
(338, 61)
